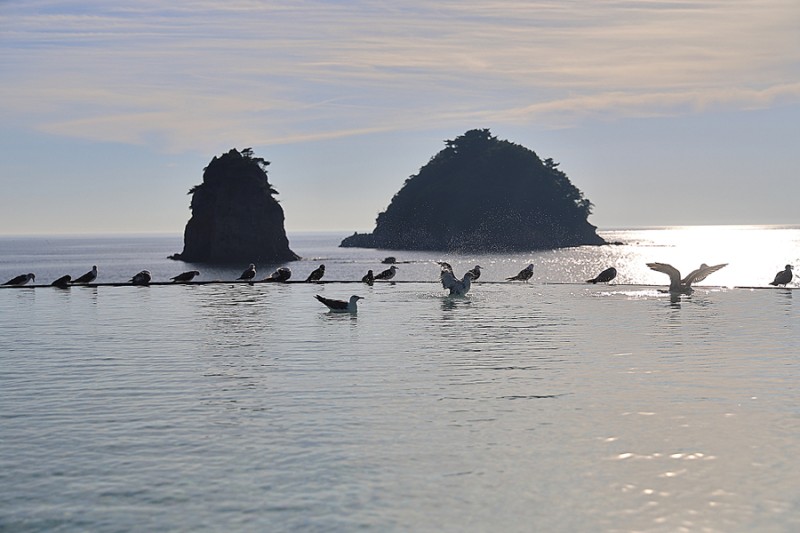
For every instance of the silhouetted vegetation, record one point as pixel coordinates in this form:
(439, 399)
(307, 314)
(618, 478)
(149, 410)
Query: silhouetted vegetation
(483, 194)
(234, 215)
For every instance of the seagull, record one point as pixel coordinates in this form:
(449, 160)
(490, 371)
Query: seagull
(22, 279)
(62, 282)
(142, 278)
(317, 274)
(369, 278)
(185, 276)
(340, 306)
(678, 285)
(88, 277)
(387, 274)
(524, 275)
(248, 274)
(457, 287)
(783, 277)
(605, 276)
(282, 274)
(476, 272)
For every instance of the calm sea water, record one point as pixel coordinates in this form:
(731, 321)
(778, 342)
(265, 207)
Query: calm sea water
(547, 406)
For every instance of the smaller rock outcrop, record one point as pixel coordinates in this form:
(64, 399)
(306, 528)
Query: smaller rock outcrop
(235, 218)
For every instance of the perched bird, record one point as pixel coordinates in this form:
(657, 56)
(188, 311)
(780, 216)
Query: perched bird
(457, 287)
(476, 272)
(142, 278)
(524, 275)
(22, 279)
(605, 276)
(369, 278)
(316, 275)
(282, 274)
(248, 274)
(387, 274)
(340, 306)
(185, 276)
(88, 277)
(678, 285)
(63, 282)
(783, 277)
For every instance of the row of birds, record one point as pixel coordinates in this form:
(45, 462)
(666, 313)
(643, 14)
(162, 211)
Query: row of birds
(455, 286)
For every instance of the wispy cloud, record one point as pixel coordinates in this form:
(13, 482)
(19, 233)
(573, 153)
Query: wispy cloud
(188, 73)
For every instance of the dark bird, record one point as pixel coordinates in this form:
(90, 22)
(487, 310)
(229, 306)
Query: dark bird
(389, 260)
(316, 275)
(476, 272)
(185, 276)
(457, 287)
(88, 277)
(281, 275)
(63, 282)
(142, 278)
(22, 279)
(783, 277)
(684, 286)
(369, 278)
(524, 275)
(605, 276)
(340, 306)
(248, 274)
(387, 274)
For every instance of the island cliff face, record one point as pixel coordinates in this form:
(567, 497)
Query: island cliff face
(235, 218)
(481, 194)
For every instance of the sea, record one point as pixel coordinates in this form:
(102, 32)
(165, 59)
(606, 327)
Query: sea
(552, 405)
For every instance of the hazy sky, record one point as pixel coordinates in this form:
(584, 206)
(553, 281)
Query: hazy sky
(661, 112)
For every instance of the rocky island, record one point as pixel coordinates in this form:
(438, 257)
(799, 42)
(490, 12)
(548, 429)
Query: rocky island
(481, 194)
(235, 218)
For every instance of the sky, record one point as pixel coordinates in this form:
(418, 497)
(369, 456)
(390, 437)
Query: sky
(663, 112)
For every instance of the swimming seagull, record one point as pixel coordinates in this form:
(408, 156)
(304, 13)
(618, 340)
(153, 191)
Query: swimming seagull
(387, 274)
(88, 277)
(369, 278)
(457, 287)
(248, 274)
(605, 276)
(476, 272)
(62, 282)
(281, 275)
(524, 275)
(22, 279)
(185, 276)
(316, 275)
(783, 277)
(678, 285)
(142, 278)
(340, 306)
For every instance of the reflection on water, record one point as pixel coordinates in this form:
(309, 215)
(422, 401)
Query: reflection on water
(239, 407)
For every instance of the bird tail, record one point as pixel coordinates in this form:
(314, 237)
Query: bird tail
(594, 281)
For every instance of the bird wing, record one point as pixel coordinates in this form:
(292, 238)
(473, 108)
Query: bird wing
(701, 273)
(448, 279)
(332, 304)
(384, 274)
(669, 270)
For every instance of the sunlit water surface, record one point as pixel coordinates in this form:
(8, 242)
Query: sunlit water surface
(547, 406)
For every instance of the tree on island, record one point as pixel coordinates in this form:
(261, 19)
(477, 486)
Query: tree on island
(235, 218)
(480, 194)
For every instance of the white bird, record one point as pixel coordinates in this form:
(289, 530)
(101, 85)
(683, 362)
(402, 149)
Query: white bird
(249, 273)
(22, 279)
(88, 277)
(783, 277)
(476, 272)
(142, 278)
(340, 306)
(387, 274)
(678, 285)
(457, 287)
(280, 275)
(524, 275)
